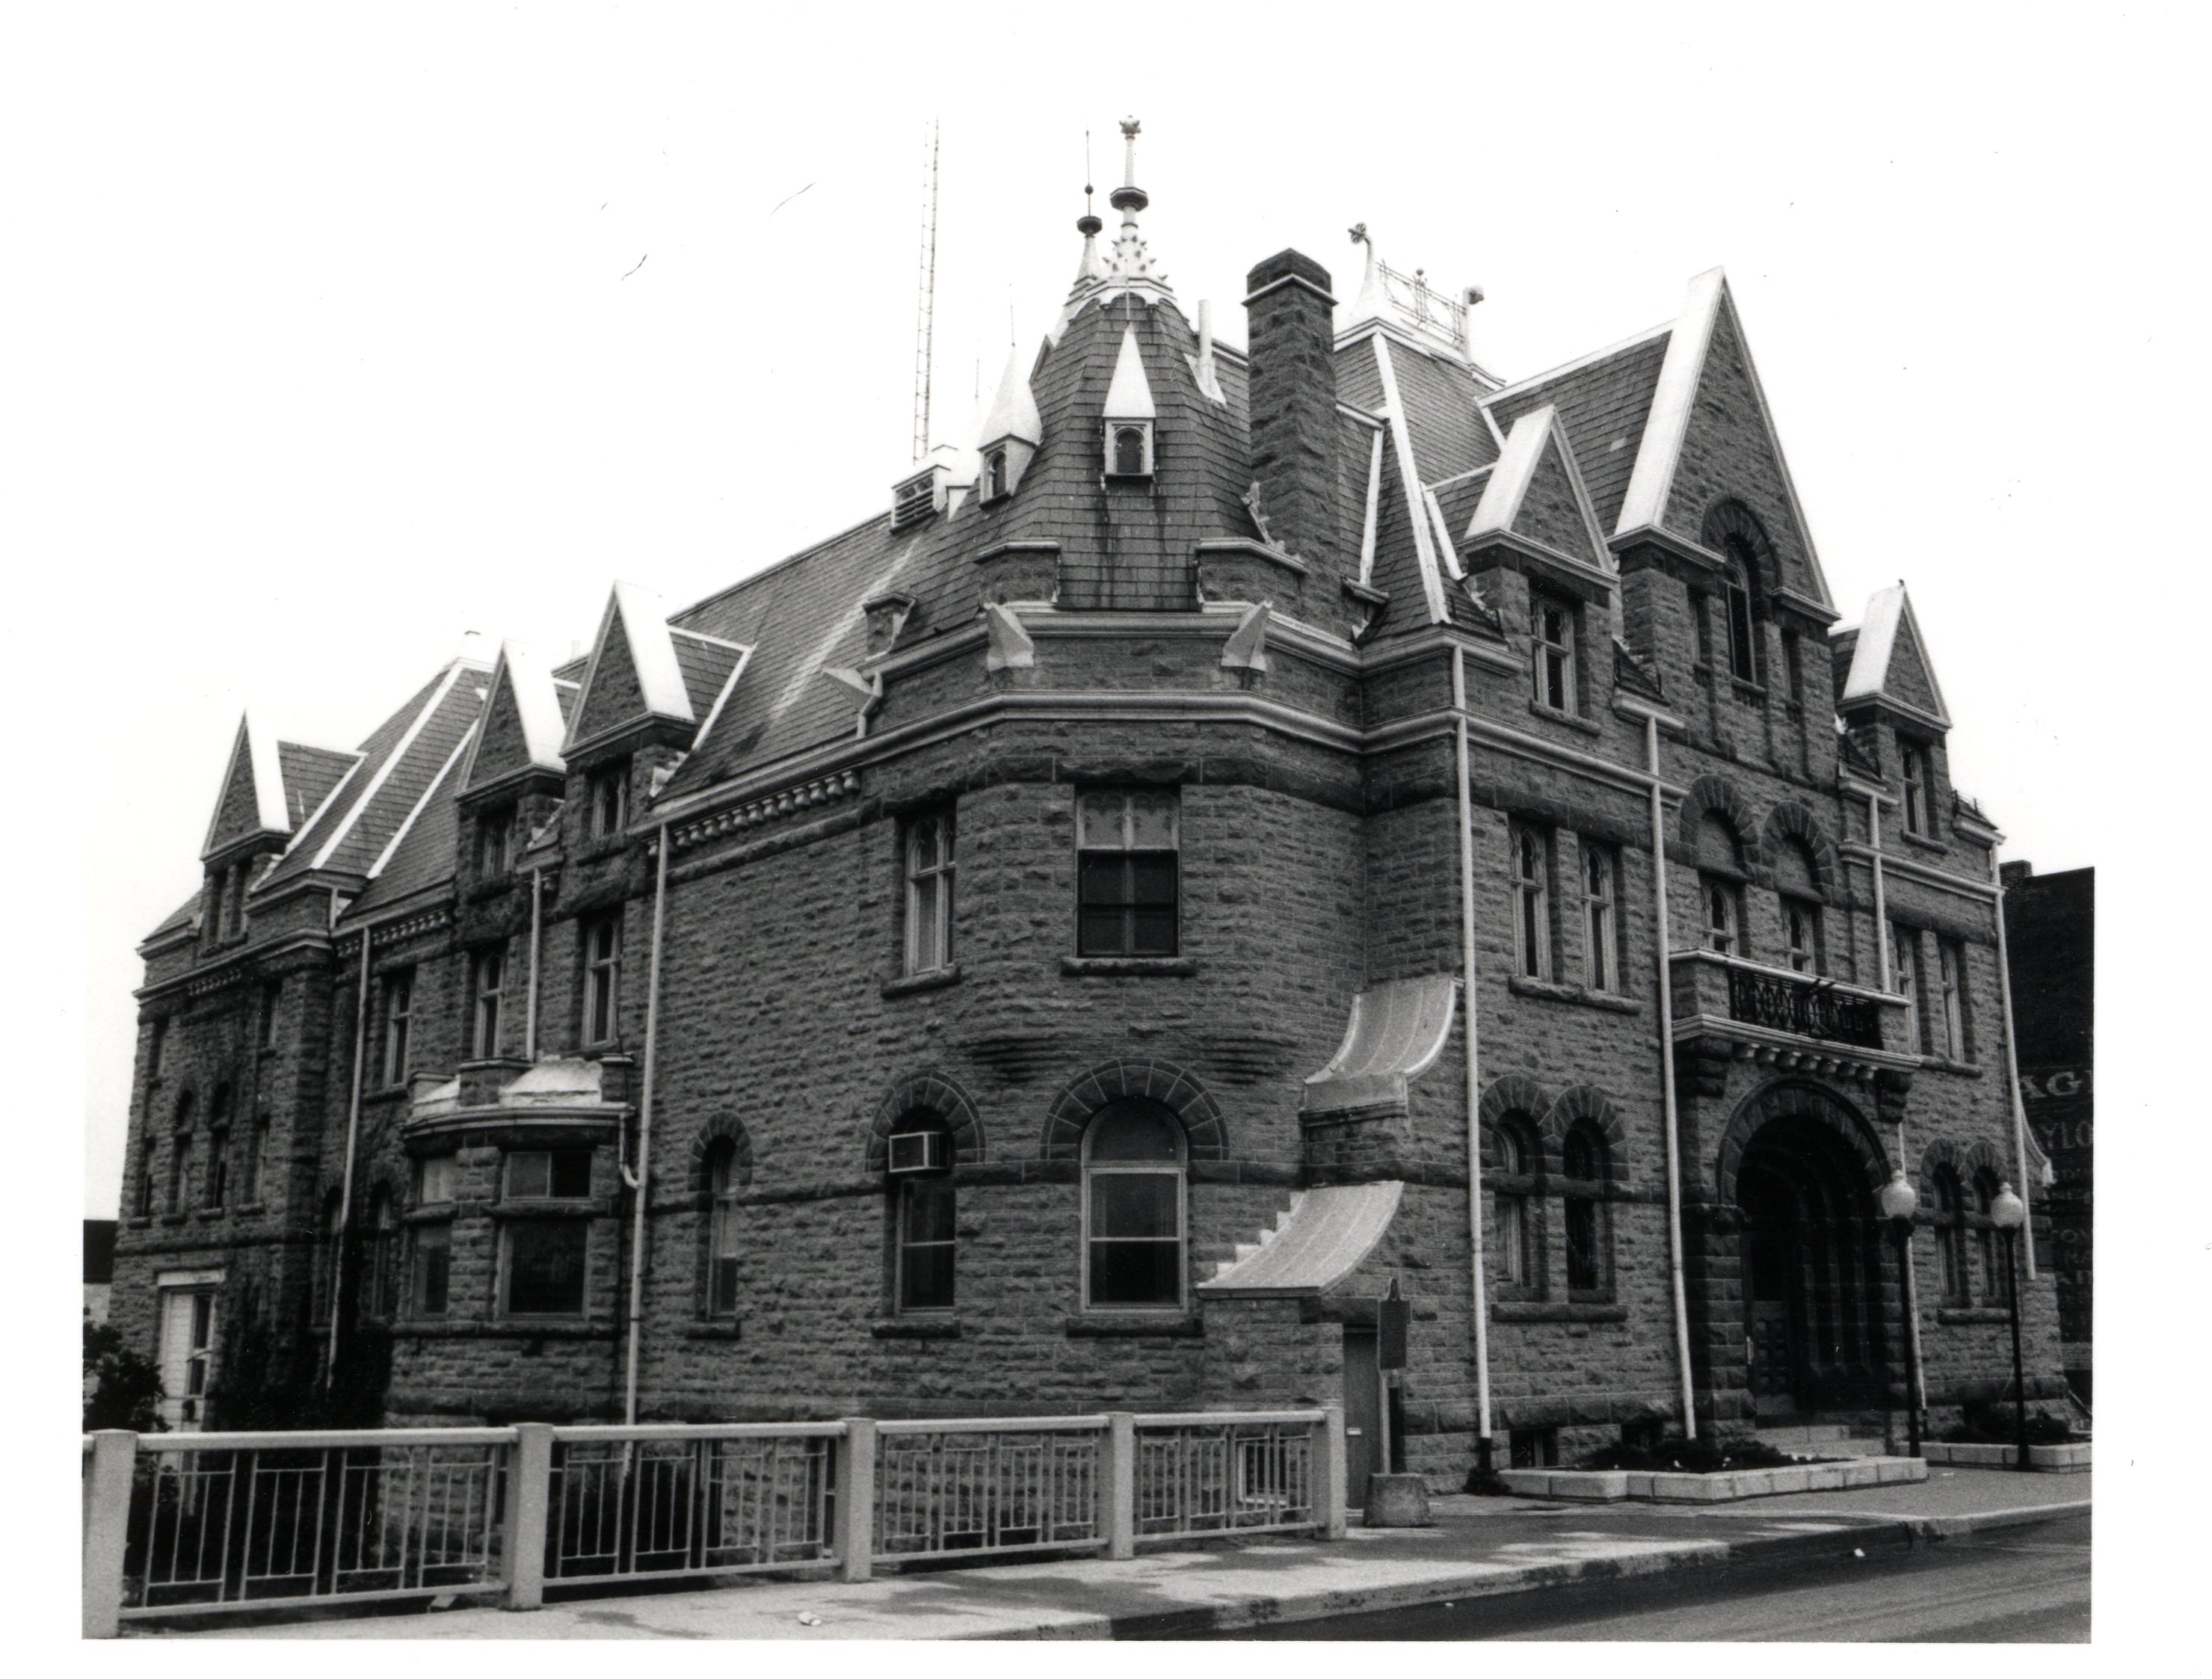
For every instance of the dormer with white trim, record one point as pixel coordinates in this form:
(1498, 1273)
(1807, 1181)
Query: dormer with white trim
(1129, 419)
(1011, 434)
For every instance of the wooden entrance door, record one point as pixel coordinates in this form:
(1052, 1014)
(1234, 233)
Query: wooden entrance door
(1769, 1267)
(1362, 1415)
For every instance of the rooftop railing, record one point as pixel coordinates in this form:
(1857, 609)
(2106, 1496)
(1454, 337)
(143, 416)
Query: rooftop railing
(192, 1524)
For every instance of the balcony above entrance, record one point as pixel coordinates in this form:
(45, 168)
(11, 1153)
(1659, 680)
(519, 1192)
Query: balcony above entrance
(1780, 1019)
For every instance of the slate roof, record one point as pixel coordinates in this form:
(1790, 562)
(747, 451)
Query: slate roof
(1602, 402)
(310, 773)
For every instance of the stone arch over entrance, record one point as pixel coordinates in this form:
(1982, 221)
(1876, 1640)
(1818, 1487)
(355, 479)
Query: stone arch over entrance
(1798, 1167)
(1076, 1101)
(940, 1096)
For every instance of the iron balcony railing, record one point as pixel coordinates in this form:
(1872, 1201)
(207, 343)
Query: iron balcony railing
(1807, 1008)
(192, 1524)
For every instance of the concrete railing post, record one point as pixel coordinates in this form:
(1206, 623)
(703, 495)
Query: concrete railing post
(529, 1491)
(1328, 1473)
(856, 1500)
(1117, 1485)
(107, 1528)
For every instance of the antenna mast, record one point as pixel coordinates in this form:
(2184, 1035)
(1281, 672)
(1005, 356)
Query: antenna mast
(925, 323)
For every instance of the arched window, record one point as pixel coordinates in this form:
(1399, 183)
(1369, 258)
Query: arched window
(995, 476)
(1132, 1207)
(722, 1186)
(1951, 1238)
(1742, 631)
(1799, 886)
(1532, 915)
(1512, 1189)
(1582, 1164)
(926, 1230)
(1723, 919)
(1131, 453)
(1720, 889)
(180, 1172)
(218, 1166)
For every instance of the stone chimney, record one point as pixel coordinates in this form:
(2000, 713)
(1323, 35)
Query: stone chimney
(1292, 331)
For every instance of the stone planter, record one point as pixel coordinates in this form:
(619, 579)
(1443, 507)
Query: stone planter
(2071, 1458)
(1613, 1486)
(1397, 1502)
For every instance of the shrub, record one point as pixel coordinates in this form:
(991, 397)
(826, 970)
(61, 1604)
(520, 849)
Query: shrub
(1672, 1455)
(123, 1388)
(1991, 1422)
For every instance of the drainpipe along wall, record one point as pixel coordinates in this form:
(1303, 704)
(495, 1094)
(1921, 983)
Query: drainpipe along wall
(1477, 1279)
(1662, 940)
(639, 1189)
(2012, 1065)
(352, 1148)
(537, 928)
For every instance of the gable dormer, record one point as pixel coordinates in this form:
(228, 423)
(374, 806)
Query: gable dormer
(634, 688)
(1011, 433)
(1129, 419)
(1888, 696)
(252, 806)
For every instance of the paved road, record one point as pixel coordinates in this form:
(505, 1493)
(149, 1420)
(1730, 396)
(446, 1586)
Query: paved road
(2016, 1585)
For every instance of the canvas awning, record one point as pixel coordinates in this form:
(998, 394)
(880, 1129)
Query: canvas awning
(1396, 1032)
(1322, 1241)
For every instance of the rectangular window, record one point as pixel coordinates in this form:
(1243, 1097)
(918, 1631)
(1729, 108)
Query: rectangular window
(218, 1172)
(1743, 633)
(272, 998)
(1128, 856)
(494, 843)
(1585, 1266)
(1792, 665)
(1136, 1239)
(1723, 916)
(555, 1174)
(610, 801)
(926, 1243)
(602, 978)
(398, 1018)
(180, 1171)
(1601, 930)
(1511, 1243)
(213, 912)
(1914, 760)
(1800, 934)
(1904, 981)
(1951, 957)
(159, 1049)
(544, 1267)
(435, 1179)
(1552, 632)
(487, 980)
(1532, 917)
(1701, 621)
(929, 892)
(433, 1268)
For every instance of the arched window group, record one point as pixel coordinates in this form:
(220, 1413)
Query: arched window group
(1525, 1195)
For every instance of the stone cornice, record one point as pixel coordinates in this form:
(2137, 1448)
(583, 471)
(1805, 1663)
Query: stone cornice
(826, 790)
(240, 964)
(1966, 886)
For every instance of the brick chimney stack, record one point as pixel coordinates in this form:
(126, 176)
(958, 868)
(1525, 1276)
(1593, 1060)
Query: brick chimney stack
(1291, 345)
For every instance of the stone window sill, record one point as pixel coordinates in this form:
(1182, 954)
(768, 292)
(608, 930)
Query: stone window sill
(440, 1213)
(174, 1218)
(595, 1209)
(917, 1328)
(935, 980)
(1927, 842)
(1557, 1311)
(1973, 1315)
(1538, 708)
(1124, 1325)
(139, 1221)
(211, 1212)
(1520, 986)
(1751, 693)
(1966, 1069)
(506, 1328)
(1172, 967)
(719, 1330)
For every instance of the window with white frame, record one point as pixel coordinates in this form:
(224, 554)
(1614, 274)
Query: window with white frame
(487, 986)
(1904, 981)
(1801, 934)
(994, 475)
(929, 867)
(1532, 907)
(1513, 1186)
(1951, 972)
(1989, 1243)
(1129, 446)
(1724, 908)
(398, 1023)
(1551, 636)
(1951, 1238)
(542, 1260)
(927, 1230)
(1601, 920)
(603, 936)
(1132, 1207)
(431, 1284)
(1127, 865)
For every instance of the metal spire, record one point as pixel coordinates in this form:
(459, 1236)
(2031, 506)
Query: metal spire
(925, 323)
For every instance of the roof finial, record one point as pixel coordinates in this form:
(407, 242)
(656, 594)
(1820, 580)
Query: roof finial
(1131, 260)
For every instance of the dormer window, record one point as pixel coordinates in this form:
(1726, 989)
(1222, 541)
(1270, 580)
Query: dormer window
(494, 843)
(1914, 760)
(995, 476)
(610, 801)
(1129, 449)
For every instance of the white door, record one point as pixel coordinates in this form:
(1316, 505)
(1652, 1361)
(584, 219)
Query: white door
(187, 1345)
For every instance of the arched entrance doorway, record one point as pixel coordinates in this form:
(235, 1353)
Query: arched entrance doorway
(1812, 1270)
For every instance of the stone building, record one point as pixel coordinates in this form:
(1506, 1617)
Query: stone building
(1069, 942)
(2050, 925)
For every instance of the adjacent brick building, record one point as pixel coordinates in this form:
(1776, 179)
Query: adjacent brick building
(1068, 943)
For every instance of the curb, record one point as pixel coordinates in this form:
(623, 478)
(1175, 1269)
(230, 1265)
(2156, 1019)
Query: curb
(1885, 1531)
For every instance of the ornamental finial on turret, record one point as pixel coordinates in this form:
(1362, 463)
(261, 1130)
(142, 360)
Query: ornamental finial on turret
(1131, 260)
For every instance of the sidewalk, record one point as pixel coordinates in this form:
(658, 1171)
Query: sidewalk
(1477, 1546)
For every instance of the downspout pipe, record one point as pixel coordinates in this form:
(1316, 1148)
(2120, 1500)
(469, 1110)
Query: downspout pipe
(536, 931)
(1661, 943)
(1880, 898)
(644, 1128)
(2012, 1067)
(1478, 1276)
(352, 1150)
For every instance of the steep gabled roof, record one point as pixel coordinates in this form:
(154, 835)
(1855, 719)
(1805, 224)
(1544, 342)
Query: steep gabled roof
(706, 662)
(311, 774)
(1889, 658)
(523, 723)
(1534, 492)
(252, 799)
(634, 674)
(1602, 401)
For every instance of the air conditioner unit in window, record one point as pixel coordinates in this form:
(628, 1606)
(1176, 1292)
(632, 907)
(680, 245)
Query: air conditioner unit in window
(917, 1151)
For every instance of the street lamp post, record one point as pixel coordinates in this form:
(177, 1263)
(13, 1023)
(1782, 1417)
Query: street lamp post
(2009, 1213)
(1898, 1202)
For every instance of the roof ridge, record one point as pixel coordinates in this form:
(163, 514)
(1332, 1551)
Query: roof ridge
(440, 689)
(1520, 387)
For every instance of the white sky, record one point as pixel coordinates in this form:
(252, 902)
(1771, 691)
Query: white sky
(339, 335)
